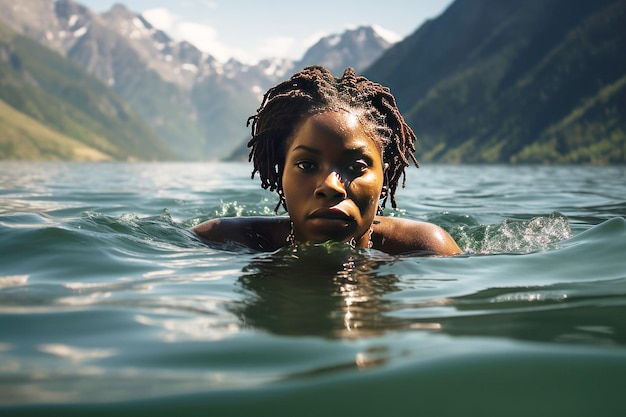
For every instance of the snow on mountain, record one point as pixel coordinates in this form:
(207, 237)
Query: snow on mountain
(187, 95)
(357, 48)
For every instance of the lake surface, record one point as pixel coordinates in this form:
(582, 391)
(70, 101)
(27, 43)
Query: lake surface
(109, 306)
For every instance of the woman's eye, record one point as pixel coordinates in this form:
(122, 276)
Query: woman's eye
(358, 167)
(306, 166)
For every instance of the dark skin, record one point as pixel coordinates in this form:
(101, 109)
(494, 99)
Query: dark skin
(392, 235)
(332, 179)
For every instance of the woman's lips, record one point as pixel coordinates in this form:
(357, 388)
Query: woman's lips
(332, 223)
(331, 214)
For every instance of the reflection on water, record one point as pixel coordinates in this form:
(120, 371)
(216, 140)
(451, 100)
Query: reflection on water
(106, 296)
(342, 293)
(326, 289)
(579, 312)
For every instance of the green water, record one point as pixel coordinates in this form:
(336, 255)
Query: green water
(109, 306)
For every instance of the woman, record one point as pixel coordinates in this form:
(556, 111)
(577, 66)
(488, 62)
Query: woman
(332, 148)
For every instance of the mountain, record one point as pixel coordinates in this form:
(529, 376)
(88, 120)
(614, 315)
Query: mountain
(522, 81)
(153, 74)
(51, 108)
(161, 80)
(198, 105)
(357, 48)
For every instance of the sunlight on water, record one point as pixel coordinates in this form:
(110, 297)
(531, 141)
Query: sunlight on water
(108, 304)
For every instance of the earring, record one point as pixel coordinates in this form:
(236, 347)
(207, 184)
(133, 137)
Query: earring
(352, 242)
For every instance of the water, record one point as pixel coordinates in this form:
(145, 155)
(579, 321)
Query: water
(108, 305)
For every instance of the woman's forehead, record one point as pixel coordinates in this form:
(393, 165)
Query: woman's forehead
(341, 124)
(335, 123)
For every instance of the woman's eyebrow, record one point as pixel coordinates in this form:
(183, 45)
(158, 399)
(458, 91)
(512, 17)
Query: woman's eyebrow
(357, 150)
(307, 148)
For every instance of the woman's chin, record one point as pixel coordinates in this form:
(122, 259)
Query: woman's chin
(323, 230)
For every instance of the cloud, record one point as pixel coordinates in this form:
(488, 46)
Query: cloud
(388, 35)
(202, 36)
(276, 46)
(206, 38)
(160, 18)
(211, 5)
(313, 39)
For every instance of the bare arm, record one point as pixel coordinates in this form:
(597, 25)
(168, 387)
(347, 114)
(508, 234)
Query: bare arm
(391, 235)
(259, 233)
(396, 236)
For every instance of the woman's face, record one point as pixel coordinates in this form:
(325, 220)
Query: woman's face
(332, 179)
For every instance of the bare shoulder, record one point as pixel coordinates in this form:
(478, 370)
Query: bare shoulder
(259, 233)
(396, 235)
(392, 235)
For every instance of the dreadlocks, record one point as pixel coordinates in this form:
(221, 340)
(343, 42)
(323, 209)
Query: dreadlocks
(315, 90)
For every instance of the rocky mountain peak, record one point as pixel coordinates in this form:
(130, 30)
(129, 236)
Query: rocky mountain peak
(127, 23)
(186, 94)
(119, 11)
(356, 48)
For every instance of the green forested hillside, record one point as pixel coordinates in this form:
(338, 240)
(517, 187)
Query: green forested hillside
(46, 96)
(23, 138)
(521, 81)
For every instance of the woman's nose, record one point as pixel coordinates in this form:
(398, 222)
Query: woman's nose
(331, 187)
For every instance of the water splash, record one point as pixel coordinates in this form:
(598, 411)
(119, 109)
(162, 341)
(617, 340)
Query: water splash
(132, 231)
(514, 236)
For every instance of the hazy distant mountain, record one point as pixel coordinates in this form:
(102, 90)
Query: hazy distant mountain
(51, 108)
(197, 104)
(357, 48)
(515, 81)
(155, 75)
(487, 81)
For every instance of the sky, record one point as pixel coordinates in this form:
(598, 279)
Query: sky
(249, 30)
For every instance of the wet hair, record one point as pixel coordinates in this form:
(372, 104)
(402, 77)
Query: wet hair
(315, 90)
